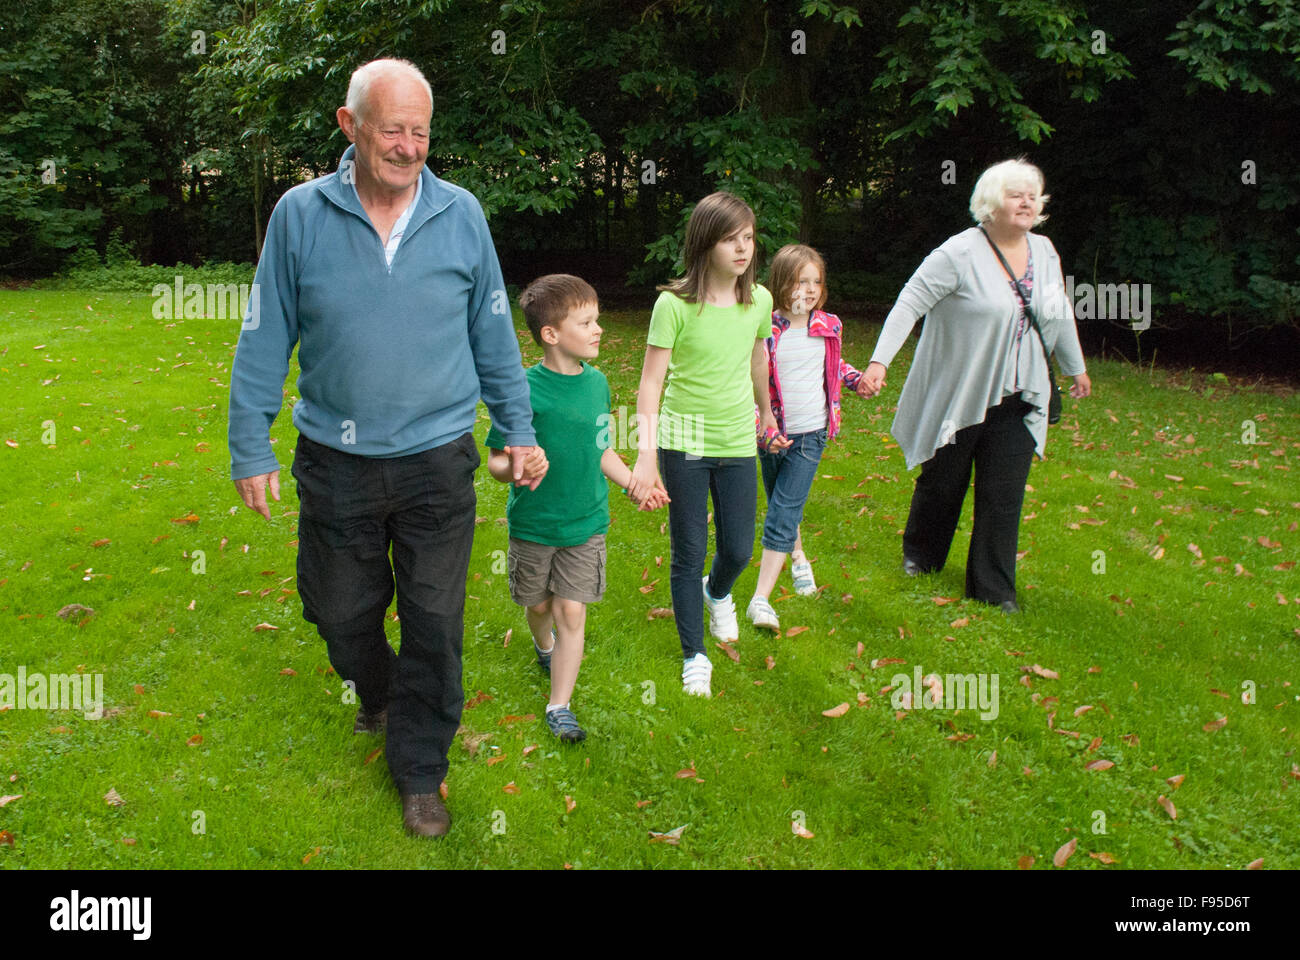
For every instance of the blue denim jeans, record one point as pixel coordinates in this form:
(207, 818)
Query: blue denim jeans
(691, 482)
(787, 477)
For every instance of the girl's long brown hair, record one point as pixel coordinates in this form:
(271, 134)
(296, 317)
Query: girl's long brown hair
(714, 218)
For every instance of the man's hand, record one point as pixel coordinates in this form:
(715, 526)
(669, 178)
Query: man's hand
(252, 490)
(529, 465)
(872, 380)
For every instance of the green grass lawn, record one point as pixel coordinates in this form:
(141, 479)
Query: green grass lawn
(1156, 581)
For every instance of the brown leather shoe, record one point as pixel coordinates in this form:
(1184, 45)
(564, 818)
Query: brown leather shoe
(424, 815)
(370, 722)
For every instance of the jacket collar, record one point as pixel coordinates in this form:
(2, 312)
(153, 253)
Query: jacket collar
(819, 323)
(435, 195)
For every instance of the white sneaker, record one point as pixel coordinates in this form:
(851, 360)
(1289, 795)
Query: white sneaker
(696, 674)
(801, 574)
(761, 614)
(722, 615)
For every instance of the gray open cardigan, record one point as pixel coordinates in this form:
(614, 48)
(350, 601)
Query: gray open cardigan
(966, 344)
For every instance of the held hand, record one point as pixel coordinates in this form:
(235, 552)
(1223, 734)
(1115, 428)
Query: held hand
(645, 478)
(252, 490)
(872, 380)
(1082, 387)
(529, 465)
(657, 498)
(773, 439)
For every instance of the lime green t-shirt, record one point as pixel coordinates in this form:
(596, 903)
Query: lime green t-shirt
(708, 405)
(571, 419)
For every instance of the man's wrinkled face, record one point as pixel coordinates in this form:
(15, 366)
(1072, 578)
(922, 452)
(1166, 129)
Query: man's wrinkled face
(391, 134)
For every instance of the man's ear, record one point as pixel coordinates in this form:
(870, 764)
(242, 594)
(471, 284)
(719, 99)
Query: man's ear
(347, 123)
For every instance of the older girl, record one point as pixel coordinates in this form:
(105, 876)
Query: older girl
(706, 339)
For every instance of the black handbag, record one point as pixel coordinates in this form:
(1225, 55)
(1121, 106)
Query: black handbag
(1054, 394)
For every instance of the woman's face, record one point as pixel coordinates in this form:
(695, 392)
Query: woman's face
(1020, 207)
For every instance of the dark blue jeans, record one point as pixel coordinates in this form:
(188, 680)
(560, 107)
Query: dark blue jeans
(352, 511)
(732, 483)
(787, 477)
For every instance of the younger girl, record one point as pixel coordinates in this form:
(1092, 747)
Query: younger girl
(706, 338)
(806, 371)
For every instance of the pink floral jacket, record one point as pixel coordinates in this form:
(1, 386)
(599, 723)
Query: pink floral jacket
(838, 372)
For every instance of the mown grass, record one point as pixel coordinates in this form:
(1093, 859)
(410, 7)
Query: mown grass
(139, 409)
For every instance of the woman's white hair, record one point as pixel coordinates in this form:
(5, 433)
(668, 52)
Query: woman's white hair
(992, 186)
(366, 74)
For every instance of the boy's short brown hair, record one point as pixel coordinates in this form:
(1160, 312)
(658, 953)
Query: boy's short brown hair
(549, 299)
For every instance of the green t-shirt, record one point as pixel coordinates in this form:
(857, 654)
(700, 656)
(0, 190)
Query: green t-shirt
(571, 504)
(708, 406)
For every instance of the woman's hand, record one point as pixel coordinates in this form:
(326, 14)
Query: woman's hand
(1082, 387)
(872, 380)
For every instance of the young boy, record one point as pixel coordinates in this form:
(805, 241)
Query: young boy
(556, 559)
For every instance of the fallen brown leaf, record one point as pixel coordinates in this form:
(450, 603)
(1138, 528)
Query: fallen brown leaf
(1064, 853)
(837, 711)
(1176, 781)
(510, 788)
(795, 631)
(113, 798)
(1099, 765)
(729, 650)
(569, 804)
(1025, 863)
(1215, 725)
(371, 755)
(1168, 805)
(1104, 857)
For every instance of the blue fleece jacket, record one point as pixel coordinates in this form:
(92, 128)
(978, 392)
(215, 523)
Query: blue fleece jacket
(394, 359)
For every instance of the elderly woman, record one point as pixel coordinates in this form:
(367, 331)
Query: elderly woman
(978, 389)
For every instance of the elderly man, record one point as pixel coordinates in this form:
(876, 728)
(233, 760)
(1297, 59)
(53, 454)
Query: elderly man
(386, 278)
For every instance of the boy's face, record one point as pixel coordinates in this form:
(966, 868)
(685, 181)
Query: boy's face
(578, 335)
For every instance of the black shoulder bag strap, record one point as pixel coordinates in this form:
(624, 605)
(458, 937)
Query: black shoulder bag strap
(1054, 398)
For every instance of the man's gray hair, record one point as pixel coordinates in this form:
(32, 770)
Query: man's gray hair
(368, 73)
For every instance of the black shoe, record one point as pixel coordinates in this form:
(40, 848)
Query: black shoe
(911, 567)
(1009, 606)
(370, 722)
(424, 815)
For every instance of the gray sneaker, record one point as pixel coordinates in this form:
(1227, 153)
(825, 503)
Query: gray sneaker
(565, 725)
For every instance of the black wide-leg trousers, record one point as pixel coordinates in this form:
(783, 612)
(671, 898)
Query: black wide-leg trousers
(1000, 450)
